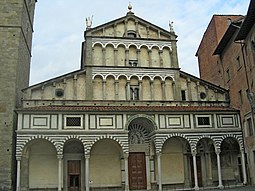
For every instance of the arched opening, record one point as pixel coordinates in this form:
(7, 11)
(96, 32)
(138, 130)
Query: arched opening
(141, 161)
(207, 172)
(73, 165)
(175, 160)
(106, 158)
(39, 166)
(231, 165)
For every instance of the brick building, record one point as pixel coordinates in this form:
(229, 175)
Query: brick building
(228, 59)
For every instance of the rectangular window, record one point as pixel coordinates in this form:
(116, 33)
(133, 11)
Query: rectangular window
(133, 63)
(73, 121)
(249, 127)
(203, 121)
(134, 93)
(238, 62)
(183, 94)
(240, 97)
(228, 75)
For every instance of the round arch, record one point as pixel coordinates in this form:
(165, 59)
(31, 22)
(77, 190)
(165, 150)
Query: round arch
(139, 116)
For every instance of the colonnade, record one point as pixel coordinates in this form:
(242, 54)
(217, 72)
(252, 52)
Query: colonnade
(161, 60)
(163, 90)
(159, 181)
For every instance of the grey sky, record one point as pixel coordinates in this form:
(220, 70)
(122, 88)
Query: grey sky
(59, 27)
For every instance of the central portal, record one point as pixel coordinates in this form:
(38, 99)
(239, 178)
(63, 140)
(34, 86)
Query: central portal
(137, 171)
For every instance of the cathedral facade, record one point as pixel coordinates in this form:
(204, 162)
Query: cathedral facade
(129, 119)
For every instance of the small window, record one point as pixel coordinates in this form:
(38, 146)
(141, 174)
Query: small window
(59, 92)
(73, 121)
(133, 63)
(131, 34)
(134, 93)
(240, 97)
(183, 94)
(202, 95)
(203, 121)
(249, 127)
(238, 62)
(228, 74)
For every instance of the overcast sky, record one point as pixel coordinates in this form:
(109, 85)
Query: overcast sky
(59, 27)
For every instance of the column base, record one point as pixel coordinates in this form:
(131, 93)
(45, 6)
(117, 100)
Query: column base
(196, 188)
(220, 187)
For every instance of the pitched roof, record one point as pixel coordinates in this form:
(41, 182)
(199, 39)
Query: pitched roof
(248, 22)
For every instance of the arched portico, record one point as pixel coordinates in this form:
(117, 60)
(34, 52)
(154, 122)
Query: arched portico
(105, 167)
(175, 163)
(37, 166)
(232, 162)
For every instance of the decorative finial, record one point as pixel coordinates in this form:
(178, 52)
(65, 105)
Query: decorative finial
(171, 26)
(88, 22)
(129, 7)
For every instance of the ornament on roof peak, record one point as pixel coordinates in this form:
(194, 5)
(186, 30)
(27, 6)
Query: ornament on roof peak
(130, 8)
(88, 22)
(171, 26)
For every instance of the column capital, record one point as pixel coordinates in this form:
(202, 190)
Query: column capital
(126, 155)
(159, 154)
(18, 157)
(87, 156)
(60, 156)
(217, 151)
(194, 153)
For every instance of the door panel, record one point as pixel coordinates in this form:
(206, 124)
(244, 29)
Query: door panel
(137, 171)
(74, 175)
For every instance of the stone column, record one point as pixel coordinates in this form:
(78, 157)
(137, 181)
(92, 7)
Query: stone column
(104, 89)
(160, 58)
(148, 172)
(87, 172)
(195, 170)
(126, 172)
(219, 169)
(128, 90)
(174, 90)
(163, 87)
(60, 158)
(159, 172)
(138, 57)
(116, 89)
(127, 57)
(115, 57)
(150, 59)
(243, 168)
(140, 90)
(104, 56)
(152, 90)
(18, 173)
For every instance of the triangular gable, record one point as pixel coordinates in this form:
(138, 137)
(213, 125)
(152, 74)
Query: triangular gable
(116, 28)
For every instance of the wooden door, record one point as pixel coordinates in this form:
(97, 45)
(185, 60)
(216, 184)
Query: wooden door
(74, 175)
(137, 171)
